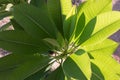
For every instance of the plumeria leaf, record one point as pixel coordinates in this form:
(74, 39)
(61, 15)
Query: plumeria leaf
(58, 74)
(39, 75)
(80, 25)
(69, 24)
(96, 73)
(53, 42)
(16, 25)
(92, 8)
(80, 69)
(54, 9)
(103, 29)
(88, 29)
(39, 3)
(106, 64)
(4, 14)
(19, 67)
(66, 6)
(34, 23)
(21, 44)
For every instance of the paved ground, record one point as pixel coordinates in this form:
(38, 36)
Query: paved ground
(116, 5)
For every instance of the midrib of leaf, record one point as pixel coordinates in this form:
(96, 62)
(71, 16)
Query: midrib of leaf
(17, 42)
(94, 35)
(107, 26)
(30, 18)
(101, 48)
(36, 70)
(10, 68)
(97, 76)
(104, 7)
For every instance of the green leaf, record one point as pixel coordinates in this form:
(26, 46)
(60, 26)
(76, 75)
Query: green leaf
(38, 75)
(92, 8)
(87, 31)
(103, 64)
(39, 3)
(4, 1)
(58, 74)
(19, 67)
(16, 25)
(66, 6)
(80, 25)
(80, 52)
(104, 28)
(69, 23)
(38, 24)
(21, 44)
(96, 73)
(53, 42)
(54, 9)
(60, 40)
(58, 10)
(106, 64)
(80, 66)
(83, 65)
(4, 14)
(102, 45)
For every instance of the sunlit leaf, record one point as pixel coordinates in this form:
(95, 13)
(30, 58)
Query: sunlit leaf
(106, 64)
(92, 8)
(104, 28)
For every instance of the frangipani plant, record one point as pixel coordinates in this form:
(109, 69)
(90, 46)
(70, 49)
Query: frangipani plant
(76, 37)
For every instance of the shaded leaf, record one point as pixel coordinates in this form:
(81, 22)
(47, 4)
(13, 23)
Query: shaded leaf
(69, 23)
(96, 73)
(19, 67)
(38, 75)
(4, 1)
(53, 42)
(80, 25)
(83, 62)
(60, 40)
(54, 9)
(34, 23)
(58, 74)
(39, 4)
(87, 31)
(21, 44)
(4, 14)
(72, 64)
(16, 25)
(79, 52)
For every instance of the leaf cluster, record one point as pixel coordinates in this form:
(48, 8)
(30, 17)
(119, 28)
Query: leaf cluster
(75, 38)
